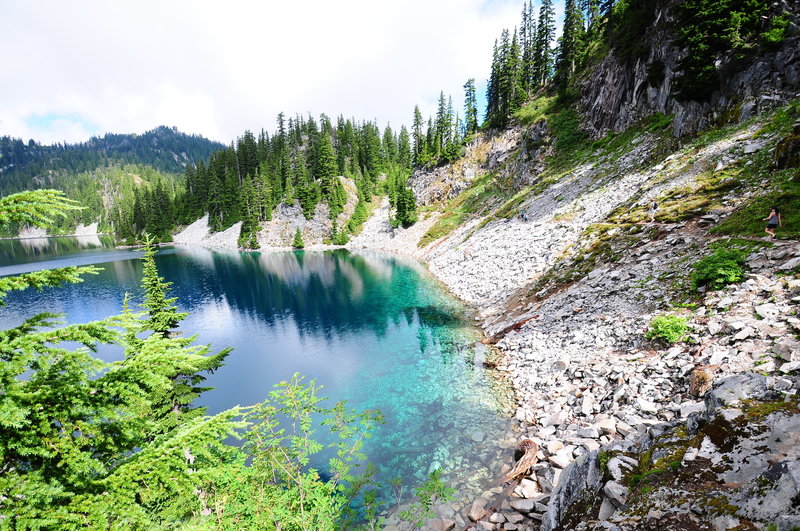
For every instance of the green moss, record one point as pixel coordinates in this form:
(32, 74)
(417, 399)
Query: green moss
(755, 410)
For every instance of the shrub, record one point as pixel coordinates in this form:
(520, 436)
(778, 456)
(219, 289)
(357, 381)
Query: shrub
(719, 269)
(668, 328)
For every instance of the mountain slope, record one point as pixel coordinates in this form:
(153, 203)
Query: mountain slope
(32, 165)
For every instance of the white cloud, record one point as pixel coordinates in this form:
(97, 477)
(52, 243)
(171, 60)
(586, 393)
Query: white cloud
(219, 68)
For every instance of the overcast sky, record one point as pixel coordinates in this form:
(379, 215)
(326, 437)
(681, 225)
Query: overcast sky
(73, 69)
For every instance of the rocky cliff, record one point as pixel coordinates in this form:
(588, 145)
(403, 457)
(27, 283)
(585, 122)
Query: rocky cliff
(617, 93)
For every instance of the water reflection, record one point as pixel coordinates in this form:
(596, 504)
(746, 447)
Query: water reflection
(372, 328)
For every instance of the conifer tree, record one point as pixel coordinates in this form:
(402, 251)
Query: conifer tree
(419, 139)
(528, 46)
(404, 148)
(389, 145)
(297, 243)
(470, 108)
(441, 125)
(570, 44)
(325, 168)
(545, 32)
(163, 316)
(493, 89)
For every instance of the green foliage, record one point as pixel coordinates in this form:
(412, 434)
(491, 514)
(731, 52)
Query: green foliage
(706, 29)
(155, 149)
(536, 110)
(337, 198)
(339, 237)
(775, 35)
(91, 444)
(565, 126)
(163, 317)
(282, 488)
(44, 278)
(717, 270)
(360, 215)
(36, 207)
(429, 493)
(668, 328)
(476, 199)
(748, 220)
(629, 23)
(297, 243)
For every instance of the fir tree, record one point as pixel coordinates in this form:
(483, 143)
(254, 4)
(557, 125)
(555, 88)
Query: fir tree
(570, 44)
(545, 32)
(297, 243)
(404, 148)
(419, 139)
(470, 108)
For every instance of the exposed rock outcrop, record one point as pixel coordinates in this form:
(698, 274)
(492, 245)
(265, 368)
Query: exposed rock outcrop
(616, 94)
(736, 464)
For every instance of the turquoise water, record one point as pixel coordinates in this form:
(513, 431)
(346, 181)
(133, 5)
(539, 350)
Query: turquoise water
(374, 329)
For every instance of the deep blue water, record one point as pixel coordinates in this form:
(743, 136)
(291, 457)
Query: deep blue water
(374, 329)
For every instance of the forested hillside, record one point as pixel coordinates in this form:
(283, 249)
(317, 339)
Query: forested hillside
(164, 148)
(127, 184)
(299, 163)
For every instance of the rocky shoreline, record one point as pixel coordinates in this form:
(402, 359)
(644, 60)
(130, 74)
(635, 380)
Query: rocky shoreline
(584, 375)
(586, 378)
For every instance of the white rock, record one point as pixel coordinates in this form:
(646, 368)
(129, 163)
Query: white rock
(616, 493)
(646, 406)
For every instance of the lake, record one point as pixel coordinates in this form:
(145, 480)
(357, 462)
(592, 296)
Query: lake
(374, 329)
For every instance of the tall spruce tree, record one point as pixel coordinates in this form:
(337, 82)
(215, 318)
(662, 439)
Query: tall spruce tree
(419, 139)
(545, 33)
(470, 108)
(570, 44)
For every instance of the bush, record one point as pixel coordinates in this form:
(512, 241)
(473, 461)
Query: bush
(719, 269)
(668, 328)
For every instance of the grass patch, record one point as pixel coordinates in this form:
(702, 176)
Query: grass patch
(748, 219)
(476, 199)
(700, 197)
(536, 110)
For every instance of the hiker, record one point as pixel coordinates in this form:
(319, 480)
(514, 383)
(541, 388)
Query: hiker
(773, 220)
(652, 210)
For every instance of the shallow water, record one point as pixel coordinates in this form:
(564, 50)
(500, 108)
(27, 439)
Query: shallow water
(374, 329)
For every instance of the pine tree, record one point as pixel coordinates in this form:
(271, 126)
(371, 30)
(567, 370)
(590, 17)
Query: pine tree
(545, 32)
(404, 148)
(325, 167)
(528, 45)
(493, 90)
(419, 139)
(470, 108)
(570, 44)
(86, 443)
(163, 317)
(389, 145)
(440, 125)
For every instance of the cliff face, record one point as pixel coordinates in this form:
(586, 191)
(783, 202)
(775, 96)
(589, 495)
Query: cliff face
(617, 93)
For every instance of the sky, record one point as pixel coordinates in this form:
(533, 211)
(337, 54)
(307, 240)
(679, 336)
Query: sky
(72, 70)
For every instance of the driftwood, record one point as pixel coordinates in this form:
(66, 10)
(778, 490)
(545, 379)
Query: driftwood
(502, 333)
(525, 454)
